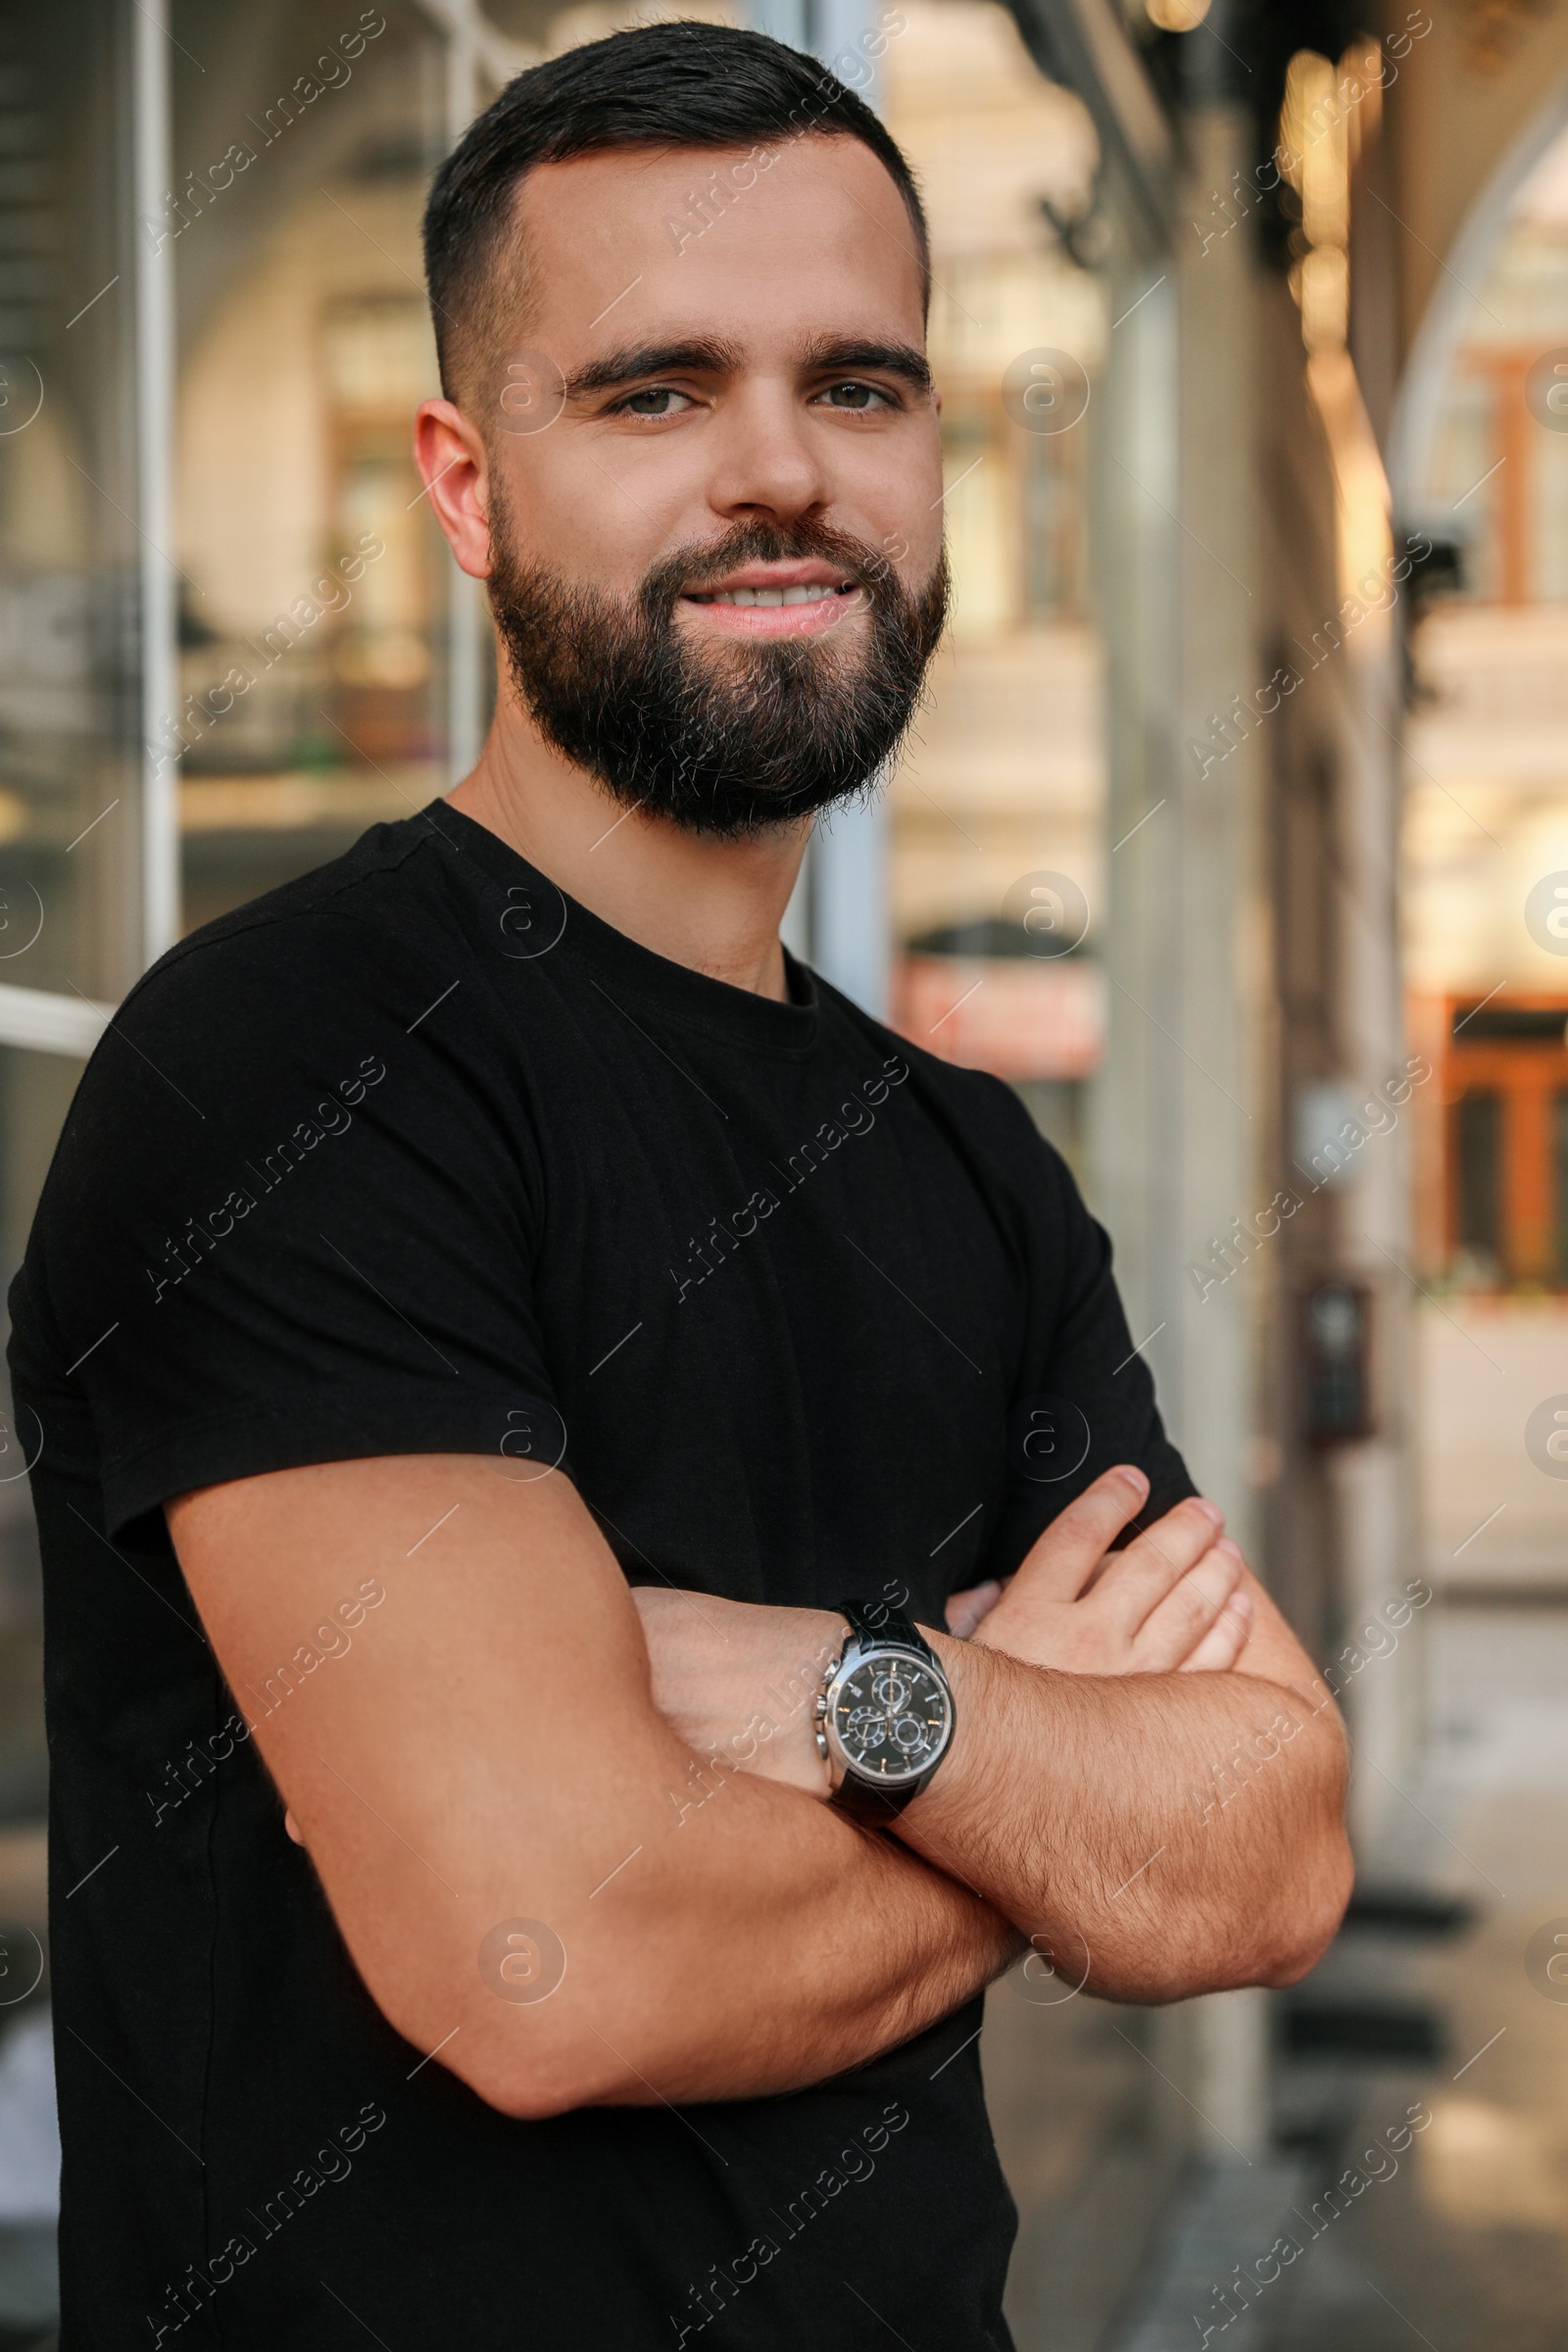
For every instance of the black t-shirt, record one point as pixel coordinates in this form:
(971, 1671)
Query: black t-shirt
(417, 1155)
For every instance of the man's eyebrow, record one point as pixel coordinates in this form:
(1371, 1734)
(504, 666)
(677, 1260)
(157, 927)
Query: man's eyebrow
(702, 357)
(831, 355)
(840, 356)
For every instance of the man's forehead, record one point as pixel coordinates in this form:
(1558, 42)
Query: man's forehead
(808, 235)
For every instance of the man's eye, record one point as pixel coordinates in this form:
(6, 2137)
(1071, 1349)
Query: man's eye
(852, 395)
(658, 400)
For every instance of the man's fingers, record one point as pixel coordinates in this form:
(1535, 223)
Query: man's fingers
(1226, 1639)
(1136, 1581)
(1062, 1561)
(964, 1610)
(1189, 1612)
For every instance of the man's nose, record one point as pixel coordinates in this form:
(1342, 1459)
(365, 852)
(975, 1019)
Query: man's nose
(767, 460)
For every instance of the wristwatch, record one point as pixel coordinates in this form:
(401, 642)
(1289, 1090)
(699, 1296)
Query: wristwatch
(885, 1717)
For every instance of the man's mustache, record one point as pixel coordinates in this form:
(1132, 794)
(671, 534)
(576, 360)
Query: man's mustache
(700, 567)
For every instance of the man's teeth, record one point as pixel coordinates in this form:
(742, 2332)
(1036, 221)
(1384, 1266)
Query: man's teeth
(771, 596)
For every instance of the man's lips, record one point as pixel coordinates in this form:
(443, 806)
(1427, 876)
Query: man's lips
(775, 600)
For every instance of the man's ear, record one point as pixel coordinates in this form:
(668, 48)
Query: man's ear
(456, 469)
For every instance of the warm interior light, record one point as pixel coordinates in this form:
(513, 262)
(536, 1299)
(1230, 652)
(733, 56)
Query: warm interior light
(1314, 155)
(1177, 16)
(1321, 284)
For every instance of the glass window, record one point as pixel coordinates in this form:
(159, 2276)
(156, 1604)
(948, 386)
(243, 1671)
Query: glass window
(68, 719)
(69, 712)
(35, 1091)
(1462, 453)
(316, 591)
(1478, 1120)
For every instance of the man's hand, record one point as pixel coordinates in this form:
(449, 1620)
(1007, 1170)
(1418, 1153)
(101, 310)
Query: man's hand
(739, 1681)
(1173, 1601)
(1174, 1831)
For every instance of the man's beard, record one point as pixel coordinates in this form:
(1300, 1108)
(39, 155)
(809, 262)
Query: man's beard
(731, 736)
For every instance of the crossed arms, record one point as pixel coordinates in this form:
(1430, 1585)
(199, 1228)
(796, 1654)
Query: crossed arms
(1144, 1781)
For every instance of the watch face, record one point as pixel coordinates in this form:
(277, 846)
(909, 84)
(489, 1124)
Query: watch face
(891, 1716)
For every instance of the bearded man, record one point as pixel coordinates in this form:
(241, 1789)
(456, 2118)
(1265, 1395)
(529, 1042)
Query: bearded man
(533, 1389)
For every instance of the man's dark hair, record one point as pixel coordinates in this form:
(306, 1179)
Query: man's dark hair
(662, 85)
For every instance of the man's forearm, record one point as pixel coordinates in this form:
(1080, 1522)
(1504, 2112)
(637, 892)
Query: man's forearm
(809, 1947)
(1160, 1834)
(486, 1800)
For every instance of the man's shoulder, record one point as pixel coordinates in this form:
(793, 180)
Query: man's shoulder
(270, 1034)
(267, 1013)
(362, 931)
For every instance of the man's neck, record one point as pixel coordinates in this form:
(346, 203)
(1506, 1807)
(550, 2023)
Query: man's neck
(713, 904)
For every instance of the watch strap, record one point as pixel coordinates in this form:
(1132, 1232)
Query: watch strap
(872, 1807)
(878, 1621)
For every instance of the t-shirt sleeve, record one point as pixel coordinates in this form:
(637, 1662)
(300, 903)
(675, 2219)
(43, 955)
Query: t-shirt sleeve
(293, 1214)
(1083, 1398)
